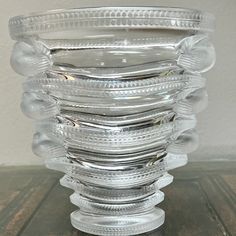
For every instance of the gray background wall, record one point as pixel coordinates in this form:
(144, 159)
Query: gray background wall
(216, 124)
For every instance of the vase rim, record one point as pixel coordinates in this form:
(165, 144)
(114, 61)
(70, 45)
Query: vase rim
(173, 18)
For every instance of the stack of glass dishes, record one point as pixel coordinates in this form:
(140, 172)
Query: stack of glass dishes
(114, 93)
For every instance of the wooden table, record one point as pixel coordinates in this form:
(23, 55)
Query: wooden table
(200, 202)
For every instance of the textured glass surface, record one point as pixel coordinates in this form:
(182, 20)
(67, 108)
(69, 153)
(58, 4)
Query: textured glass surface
(114, 94)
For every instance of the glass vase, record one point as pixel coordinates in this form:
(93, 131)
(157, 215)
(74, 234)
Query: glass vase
(113, 92)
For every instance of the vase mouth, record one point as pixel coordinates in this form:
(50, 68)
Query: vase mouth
(172, 18)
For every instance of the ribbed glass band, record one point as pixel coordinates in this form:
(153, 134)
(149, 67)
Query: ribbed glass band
(114, 226)
(115, 195)
(117, 179)
(111, 17)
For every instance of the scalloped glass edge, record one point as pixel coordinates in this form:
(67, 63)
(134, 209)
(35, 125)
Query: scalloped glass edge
(115, 195)
(117, 179)
(115, 209)
(111, 17)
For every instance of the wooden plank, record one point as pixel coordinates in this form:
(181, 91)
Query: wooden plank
(187, 211)
(25, 195)
(53, 216)
(231, 181)
(205, 168)
(157, 232)
(10, 188)
(221, 203)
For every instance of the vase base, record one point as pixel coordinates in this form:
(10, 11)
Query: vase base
(118, 225)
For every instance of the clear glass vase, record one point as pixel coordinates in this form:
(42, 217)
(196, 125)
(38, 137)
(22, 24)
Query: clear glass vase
(114, 92)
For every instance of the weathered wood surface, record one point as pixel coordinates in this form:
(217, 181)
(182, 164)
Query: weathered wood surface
(200, 202)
